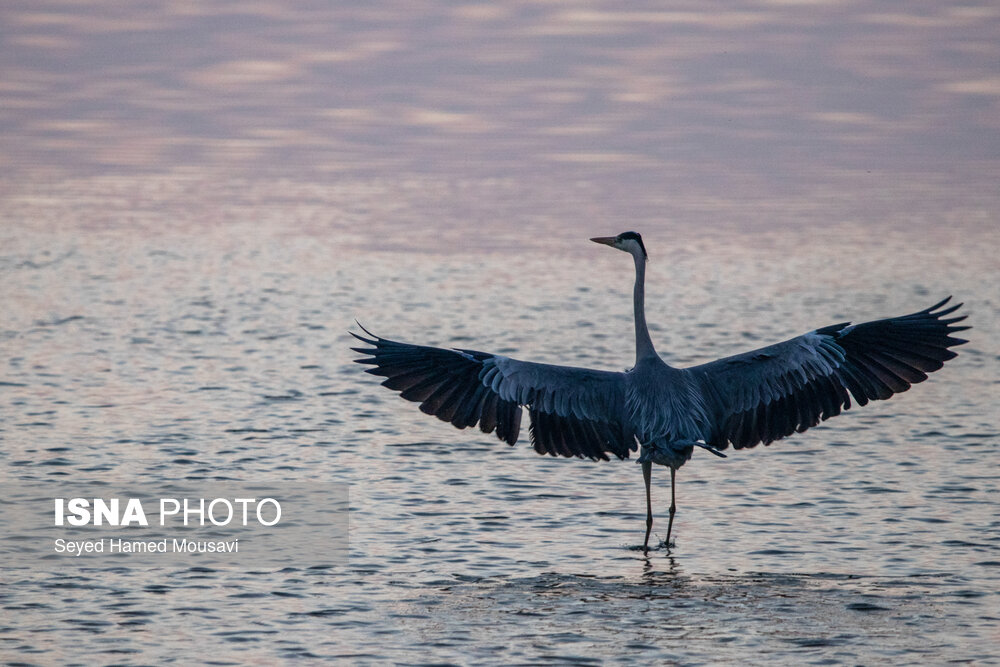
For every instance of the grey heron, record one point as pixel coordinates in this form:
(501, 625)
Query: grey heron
(744, 400)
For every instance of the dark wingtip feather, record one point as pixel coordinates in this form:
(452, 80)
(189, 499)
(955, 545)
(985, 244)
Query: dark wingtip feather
(366, 331)
(938, 305)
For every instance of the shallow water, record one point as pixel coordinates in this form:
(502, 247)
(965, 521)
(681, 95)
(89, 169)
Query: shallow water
(187, 235)
(873, 537)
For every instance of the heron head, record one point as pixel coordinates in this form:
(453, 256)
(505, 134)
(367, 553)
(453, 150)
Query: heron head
(630, 242)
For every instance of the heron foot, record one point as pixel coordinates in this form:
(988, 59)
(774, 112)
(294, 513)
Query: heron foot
(659, 544)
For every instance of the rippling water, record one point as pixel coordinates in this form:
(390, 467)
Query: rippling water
(200, 203)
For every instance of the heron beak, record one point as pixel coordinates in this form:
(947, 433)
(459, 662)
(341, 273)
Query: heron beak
(605, 240)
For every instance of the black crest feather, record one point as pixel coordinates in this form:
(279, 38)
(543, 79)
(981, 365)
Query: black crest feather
(635, 237)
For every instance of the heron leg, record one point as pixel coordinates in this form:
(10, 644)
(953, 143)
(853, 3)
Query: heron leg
(647, 472)
(673, 504)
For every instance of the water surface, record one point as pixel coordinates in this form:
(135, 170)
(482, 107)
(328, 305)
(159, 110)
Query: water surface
(199, 202)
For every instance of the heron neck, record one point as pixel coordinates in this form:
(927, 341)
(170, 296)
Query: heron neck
(643, 343)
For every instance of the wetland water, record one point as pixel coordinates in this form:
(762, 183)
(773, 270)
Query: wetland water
(199, 204)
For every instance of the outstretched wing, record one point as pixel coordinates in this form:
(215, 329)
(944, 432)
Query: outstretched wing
(767, 394)
(574, 411)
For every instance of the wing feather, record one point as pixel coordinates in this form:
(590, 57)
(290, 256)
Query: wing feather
(573, 411)
(767, 394)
